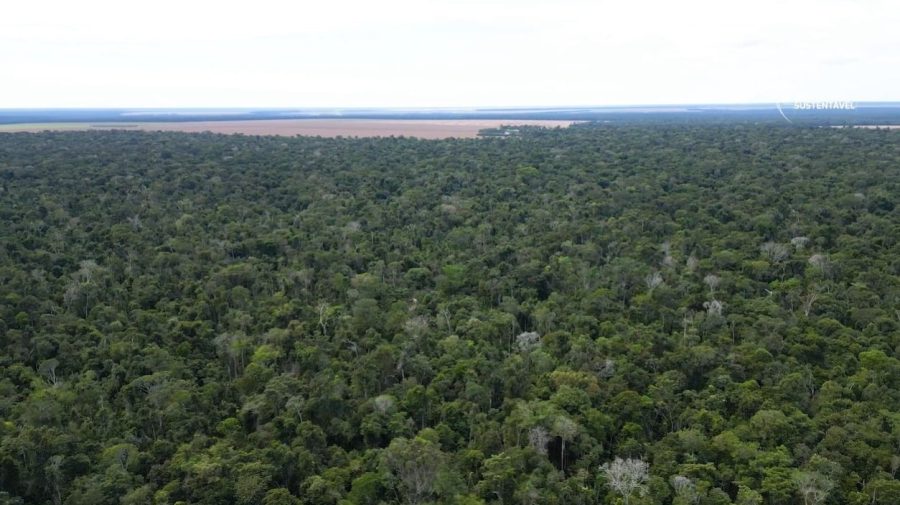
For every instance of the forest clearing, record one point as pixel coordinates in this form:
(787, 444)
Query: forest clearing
(420, 128)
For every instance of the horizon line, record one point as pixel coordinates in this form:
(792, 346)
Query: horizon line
(450, 108)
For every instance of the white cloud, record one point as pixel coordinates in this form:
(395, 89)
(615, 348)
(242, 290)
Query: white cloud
(444, 53)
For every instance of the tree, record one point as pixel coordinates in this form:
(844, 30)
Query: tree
(714, 307)
(279, 496)
(712, 281)
(685, 491)
(813, 487)
(415, 464)
(566, 430)
(882, 491)
(776, 253)
(528, 341)
(626, 476)
(48, 368)
(538, 438)
(501, 474)
(653, 280)
(747, 496)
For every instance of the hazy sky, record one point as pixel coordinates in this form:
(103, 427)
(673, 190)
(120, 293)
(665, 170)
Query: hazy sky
(347, 53)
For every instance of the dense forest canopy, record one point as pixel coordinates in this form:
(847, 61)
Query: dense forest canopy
(633, 314)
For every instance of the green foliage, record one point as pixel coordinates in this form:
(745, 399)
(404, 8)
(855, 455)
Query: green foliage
(210, 319)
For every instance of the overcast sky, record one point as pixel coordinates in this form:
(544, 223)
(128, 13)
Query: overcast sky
(430, 53)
